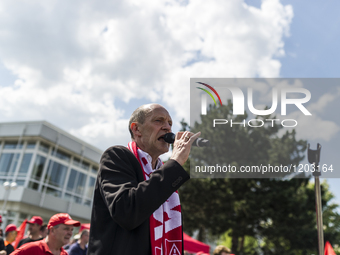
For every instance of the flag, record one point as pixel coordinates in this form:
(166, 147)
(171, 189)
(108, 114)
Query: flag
(21, 232)
(328, 249)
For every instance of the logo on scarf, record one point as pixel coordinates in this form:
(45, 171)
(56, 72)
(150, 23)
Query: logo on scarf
(175, 248)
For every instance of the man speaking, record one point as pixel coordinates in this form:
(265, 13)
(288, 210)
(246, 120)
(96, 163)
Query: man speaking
(136, 208)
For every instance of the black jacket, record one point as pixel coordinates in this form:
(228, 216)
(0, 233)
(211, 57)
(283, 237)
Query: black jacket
(123, 202)
(9, 249)
(2, 244)
(28, 240)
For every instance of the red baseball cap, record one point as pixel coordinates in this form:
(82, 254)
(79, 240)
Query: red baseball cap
(62, 218)
(36, 219)
(10, 228)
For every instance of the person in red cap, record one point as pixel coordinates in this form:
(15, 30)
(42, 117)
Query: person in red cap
(222, 250)
(43, 230)
(11, 232)
(60, 229)
(34, 226)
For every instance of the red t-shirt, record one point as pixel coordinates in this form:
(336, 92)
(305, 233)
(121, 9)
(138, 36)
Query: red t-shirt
(36, 248)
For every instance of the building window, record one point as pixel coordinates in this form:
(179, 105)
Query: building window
(82, 164)
(30, 145)
(76, 182)
(71, 180)
(12, 145)
(25, 163)
(38, 167)
(20, 182)
(61, 155)
(90, 188)
(87, 202)
(55, 174)
(94, 170)
(72, 198)
(43, 147)
(8, 163)
(33, 185)
(53, 192)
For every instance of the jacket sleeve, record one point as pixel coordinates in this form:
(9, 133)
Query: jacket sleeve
(129, 201)
(2, 244)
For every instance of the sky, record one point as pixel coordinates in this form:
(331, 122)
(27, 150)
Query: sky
(84, 66)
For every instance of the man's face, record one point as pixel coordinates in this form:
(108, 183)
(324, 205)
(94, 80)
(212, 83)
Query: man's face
(33, 228)
(63, 234)
(44, 233)
(149, 134)
(85, 237)
(11, 236)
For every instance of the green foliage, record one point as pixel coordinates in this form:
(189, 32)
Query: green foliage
(255, 216)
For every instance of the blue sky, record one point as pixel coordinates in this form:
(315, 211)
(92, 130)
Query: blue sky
(85, 66)
(312, 51)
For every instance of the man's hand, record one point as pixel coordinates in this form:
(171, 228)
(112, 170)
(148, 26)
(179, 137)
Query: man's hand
(182, 146)
(3, 252)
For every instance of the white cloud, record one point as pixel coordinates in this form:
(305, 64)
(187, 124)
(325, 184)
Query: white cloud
(74, 61)
(316, 126)
(324, 101)
(313, 127)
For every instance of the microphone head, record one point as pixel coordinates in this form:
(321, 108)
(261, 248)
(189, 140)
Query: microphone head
(169, 137)
(200, 142)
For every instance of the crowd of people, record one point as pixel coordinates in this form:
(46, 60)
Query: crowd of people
(52, 238)
(38, 231)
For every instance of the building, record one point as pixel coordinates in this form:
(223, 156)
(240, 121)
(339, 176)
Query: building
(52, 170)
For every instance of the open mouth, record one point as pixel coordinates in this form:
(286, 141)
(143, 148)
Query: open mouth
(161, 138)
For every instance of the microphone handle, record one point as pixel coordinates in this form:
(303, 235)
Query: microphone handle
(199, 142)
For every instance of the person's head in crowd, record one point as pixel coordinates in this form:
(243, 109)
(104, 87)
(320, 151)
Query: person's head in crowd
(75, 238)
(34, 226)
(60, 228)
(11, 232)
(0, 220)
(147, 125)
(43, 230)
(84, 236)
(221, 250)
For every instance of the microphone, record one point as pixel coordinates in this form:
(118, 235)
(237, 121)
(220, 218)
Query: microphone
(199, 142)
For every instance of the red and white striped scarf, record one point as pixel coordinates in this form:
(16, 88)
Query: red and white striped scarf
(166, 222)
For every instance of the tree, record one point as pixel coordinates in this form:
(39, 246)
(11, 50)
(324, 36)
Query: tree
(279, 215)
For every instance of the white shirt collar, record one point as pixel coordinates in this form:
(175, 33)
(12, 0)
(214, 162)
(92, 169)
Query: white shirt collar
(143, 154)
